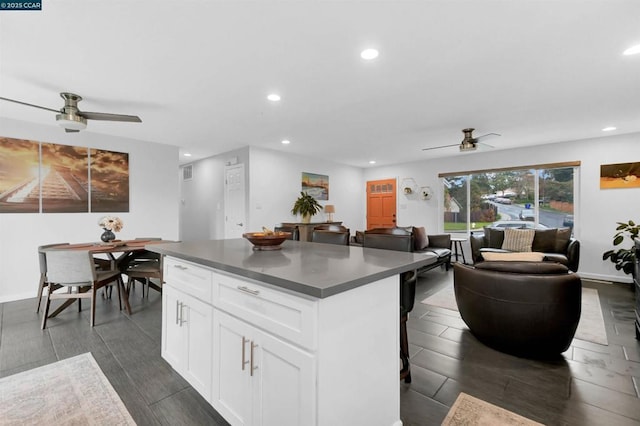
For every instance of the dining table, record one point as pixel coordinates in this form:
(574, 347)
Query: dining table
(119, 252)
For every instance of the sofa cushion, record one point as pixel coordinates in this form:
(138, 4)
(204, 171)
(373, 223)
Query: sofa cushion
(524, 267)
(518, 239)
(544, 240)
(420, 239)
(531, 256)
(556, 257)
(493, 237)
(563, 236)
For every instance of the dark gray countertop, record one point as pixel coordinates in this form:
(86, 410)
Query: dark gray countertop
(313, 269)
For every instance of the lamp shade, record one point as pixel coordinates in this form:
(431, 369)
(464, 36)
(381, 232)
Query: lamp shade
(329, 208)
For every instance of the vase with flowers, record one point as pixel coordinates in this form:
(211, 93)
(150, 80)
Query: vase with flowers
(110, 224)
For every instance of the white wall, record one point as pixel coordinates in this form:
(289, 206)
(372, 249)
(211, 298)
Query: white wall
(153, 209)
(597, 212)
(202, 197)
(273, 184)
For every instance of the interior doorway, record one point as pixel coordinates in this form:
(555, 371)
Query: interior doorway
(235, 218)
(381, 203)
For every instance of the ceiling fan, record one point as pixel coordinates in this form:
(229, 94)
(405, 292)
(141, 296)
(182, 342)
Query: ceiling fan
(469, 143)
(74, 120)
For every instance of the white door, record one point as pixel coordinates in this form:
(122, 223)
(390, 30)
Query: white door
(231, 390)
(198, 320)
(234, 203)
(173, 334)
(283, 386)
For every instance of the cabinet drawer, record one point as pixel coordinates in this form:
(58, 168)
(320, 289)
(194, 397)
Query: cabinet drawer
(189, 278)
(289, 317)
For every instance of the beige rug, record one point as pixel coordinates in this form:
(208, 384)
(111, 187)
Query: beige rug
(467, 410)
(73, 391)
(590, 328)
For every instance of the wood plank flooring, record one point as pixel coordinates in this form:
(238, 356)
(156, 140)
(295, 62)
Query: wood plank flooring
(590, 385)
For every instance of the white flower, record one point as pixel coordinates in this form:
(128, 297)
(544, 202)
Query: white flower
(111, 223)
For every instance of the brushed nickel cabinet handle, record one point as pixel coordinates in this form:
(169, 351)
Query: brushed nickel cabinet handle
(182, 320)
(182, 268)
(244, 342)
(248, 290)
(251, 355)
(177, 313)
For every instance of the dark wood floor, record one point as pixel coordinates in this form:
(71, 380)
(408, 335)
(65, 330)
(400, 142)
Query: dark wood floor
(590, 385)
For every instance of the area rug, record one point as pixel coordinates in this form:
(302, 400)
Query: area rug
(590, 328)
(468, 410)
(73, 391)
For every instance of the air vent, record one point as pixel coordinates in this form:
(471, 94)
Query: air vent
(187, 172)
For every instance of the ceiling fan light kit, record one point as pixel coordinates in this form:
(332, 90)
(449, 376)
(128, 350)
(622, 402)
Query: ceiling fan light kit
(71, 122)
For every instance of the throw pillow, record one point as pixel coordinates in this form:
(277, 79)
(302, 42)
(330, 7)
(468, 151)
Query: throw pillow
(420, 239)
(545, 240)
(494, 237)
(531, 256)
(562, 240)
(518, 239)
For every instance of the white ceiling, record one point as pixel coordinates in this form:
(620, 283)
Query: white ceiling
(198, 72)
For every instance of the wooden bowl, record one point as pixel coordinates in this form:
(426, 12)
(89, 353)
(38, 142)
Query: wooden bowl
(261, 241)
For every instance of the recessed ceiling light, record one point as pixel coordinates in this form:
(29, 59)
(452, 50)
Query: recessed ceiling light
(369, 54)
(273, 97)
(286, 142)
(633, 50)
(609, 128)
(186, 154)
(372, 162)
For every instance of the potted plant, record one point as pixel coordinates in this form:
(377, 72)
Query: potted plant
(306, 206)
(624, 259)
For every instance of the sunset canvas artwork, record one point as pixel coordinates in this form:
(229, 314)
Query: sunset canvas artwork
(621, 175)
(64, 176)
(109, 181)
(19, 176)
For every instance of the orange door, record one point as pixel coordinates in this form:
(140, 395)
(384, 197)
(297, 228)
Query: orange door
(381, 203)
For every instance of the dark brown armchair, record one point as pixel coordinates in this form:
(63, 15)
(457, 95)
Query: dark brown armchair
(528, 309)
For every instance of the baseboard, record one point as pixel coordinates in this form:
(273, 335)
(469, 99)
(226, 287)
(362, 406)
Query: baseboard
(606, 278)
(14, 297)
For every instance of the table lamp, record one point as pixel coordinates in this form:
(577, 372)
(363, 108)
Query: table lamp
(329, 209)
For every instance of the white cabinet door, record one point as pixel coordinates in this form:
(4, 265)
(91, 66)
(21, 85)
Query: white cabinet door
(172, 332)
(283, 385)
(197, 323)
(231, 391)
(186, 341)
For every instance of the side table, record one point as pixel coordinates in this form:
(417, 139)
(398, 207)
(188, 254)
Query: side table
(457, 244)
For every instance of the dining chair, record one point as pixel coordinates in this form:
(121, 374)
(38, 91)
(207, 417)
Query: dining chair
(42, 259)
(75, 269)
(143, 266)
(330, 237)
(294, 230)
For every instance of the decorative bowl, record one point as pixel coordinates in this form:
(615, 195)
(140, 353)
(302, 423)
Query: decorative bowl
(262, 241)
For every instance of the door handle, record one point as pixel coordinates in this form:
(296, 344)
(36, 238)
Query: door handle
(244, 342)
(251, 355)
(239, 224)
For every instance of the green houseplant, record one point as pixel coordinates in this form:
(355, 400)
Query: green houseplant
(306, 206)
(623, 258)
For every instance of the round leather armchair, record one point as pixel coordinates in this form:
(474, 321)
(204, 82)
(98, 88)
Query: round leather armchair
(530, 309)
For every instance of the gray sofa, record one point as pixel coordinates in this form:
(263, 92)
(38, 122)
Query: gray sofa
(556, 244)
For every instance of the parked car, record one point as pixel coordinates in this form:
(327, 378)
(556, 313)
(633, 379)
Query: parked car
(527, 214)
(568, 221)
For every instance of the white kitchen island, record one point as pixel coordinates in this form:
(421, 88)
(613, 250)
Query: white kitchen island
(305, 335)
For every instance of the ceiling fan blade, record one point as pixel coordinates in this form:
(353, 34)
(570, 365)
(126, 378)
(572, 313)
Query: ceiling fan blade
(488, 135)
(109, 117)
(486, 144)
(28, 104)
(438, 147)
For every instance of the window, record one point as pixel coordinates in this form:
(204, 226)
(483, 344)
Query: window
(539, 196)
